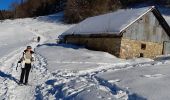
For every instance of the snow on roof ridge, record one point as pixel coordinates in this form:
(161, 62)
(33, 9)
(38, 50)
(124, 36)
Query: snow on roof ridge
(150, 9)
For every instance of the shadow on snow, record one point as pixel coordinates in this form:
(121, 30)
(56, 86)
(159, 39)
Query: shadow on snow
(8, 76)
(55, 90)
(162, 58)
(62, 45)
(114, 88)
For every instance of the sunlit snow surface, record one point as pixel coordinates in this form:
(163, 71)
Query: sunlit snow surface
(69, 72)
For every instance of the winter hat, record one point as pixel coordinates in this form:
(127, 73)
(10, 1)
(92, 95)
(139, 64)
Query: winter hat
(29, 47)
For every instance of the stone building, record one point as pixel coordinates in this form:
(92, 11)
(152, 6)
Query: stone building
(130, 33)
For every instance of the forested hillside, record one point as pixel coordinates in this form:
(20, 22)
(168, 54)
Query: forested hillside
(74, 10)
(78, 10)
(33, 8)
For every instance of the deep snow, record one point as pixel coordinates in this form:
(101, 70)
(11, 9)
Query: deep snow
(147, 82)
(68, 72)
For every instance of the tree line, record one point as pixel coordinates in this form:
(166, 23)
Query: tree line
(74, 10)
(32, 8)
(78, 10)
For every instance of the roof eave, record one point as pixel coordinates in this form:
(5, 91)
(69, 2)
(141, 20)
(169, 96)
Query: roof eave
(162, 21)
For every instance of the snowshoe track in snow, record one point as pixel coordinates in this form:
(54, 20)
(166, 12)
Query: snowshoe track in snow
(66, 85)
(10, 90)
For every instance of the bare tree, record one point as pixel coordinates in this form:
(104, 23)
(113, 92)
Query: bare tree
(1, 15)
(78, 10)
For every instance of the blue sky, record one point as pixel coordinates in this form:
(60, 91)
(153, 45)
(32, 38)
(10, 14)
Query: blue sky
(4, 4)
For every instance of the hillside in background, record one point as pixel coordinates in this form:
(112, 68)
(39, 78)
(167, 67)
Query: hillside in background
(33, 8)
(74, 10)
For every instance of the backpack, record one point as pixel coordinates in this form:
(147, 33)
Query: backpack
(27, 56)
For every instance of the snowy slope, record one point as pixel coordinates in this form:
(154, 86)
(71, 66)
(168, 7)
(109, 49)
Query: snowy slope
(74, 58)
(15, 35)
(12, 37)
(147, 82)
(68, 72)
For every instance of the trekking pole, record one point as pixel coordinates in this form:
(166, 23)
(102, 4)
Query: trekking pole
(32, 68)
(17, 66)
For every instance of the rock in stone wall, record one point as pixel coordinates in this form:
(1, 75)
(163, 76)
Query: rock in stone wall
(134, 48)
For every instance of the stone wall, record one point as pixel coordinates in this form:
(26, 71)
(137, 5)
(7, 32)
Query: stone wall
(111, 45)
(133, 48)
(120, 47)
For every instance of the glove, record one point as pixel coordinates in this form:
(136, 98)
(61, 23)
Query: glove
(19, 61)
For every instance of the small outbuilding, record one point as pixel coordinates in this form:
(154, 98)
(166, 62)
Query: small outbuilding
(130, 33)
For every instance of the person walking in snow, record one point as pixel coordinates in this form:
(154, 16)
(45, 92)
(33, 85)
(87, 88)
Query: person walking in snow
(38, 39)
(26, 61)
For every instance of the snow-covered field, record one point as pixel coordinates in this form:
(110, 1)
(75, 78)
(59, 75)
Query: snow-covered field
(68, 72)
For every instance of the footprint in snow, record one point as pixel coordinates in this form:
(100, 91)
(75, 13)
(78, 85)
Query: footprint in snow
(153, 76)
(114, 81)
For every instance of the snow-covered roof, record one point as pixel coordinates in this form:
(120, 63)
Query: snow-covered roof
(111, 23)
